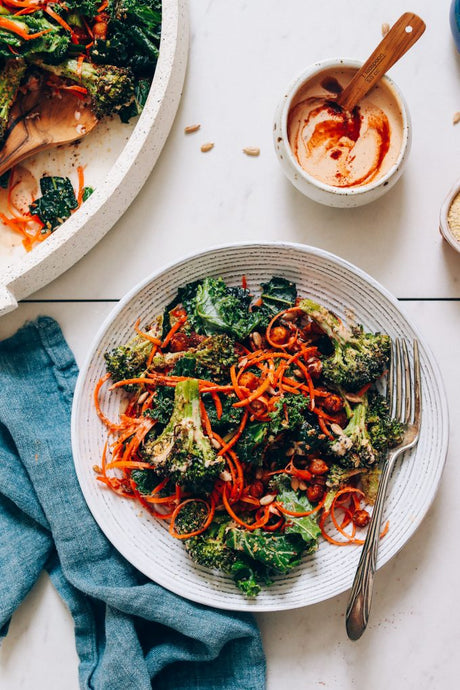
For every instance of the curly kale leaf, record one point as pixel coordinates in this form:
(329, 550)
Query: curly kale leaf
(162, 405)
(305, 526)
(230, 417)
(278, 552)
(221, 309)
(133, 36)
(276, 295)
(145, 481)
(57, 202)
(251, 445)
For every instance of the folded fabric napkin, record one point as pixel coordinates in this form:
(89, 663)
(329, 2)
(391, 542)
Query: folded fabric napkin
(130, 632)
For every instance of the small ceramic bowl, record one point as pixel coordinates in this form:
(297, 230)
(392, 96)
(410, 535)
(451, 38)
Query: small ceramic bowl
(444, 227)
(319, 191)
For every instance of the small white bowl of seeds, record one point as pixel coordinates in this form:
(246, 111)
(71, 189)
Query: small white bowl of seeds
(449, 217)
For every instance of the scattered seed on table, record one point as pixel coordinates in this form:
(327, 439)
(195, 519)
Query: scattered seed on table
(251, 151)
(456, 118)
(191, 128)
(385, 28)
(207, 147)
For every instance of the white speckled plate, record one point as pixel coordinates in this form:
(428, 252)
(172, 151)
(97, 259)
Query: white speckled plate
(144, 541)
(117, 159)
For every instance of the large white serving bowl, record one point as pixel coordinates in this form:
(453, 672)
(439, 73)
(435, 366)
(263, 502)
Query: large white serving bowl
(145, 541)
(118, 159)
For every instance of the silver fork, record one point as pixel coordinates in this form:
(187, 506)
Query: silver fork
(404, 391)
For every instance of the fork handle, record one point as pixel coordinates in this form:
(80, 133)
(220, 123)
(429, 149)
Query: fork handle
(359, 604)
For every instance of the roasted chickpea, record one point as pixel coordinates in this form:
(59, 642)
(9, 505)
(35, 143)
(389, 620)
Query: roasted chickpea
(179, 342)
(315, 492)
(248, 380)
(100, 30)
(333, 403)
(279, 335)
(318, 466)
(361, 518)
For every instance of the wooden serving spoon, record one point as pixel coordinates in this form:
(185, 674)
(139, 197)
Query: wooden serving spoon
(38, 122)
(403, 34)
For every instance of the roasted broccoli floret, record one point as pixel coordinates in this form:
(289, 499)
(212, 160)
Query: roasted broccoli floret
(356, 441)
(384, 431)
(211, 551)
(358, 357)
(109, 88)
(10, 80)
(213, 357)
(217, 354)
(182, 452)
(128, 361)
(338, 476)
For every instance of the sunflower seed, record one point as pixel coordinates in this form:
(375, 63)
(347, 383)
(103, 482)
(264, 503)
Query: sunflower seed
(251, 151)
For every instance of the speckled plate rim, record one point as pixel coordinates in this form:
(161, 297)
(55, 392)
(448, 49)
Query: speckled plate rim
(205, 589)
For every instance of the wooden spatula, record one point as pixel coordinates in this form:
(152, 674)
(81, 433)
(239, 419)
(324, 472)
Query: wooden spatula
(40, 122)
(402, 36)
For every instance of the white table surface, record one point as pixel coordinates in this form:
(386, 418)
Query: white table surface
(243, 54)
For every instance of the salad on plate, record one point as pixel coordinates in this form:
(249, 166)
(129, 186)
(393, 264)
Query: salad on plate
(253, 427)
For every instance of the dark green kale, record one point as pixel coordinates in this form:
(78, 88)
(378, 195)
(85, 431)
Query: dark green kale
(278, 294)
(278, 552)
(217, 308)
(87, 191)
(133, 36)
(358, 357)
(145, 481)
(86, 8)
(252, 443)
(185, 296)
(57, 202)
(306, 526)
(182, 452)
(50, 46)
(162, 405)
(230, 417)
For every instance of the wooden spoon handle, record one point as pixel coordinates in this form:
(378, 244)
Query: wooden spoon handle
(403, 34)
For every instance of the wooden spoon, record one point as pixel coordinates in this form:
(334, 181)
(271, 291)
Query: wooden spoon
(40, 122)
(402, 36)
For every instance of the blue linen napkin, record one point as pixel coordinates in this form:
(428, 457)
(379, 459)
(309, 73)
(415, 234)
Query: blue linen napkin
(130, 632)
